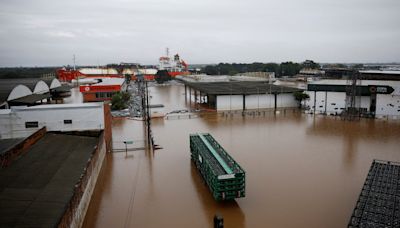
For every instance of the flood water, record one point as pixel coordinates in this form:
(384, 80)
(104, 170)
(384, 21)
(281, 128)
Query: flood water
(301, 170)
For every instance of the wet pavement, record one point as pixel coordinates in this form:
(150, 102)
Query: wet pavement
(301, 170)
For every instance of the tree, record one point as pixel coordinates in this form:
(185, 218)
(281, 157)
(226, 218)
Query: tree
(300, 96)
(289, 69)
(310, 64)
(120, 100)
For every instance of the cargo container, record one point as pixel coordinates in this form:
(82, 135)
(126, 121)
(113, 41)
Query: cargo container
(223, 175)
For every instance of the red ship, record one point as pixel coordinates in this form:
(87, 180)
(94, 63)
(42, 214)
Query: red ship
(121, 71)
(174, 66)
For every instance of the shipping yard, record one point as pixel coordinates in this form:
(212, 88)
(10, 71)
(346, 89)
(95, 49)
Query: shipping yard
(148, 114)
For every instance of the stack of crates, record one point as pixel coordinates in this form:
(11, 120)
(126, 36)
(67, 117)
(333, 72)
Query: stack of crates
(379, 202)
(223, 175)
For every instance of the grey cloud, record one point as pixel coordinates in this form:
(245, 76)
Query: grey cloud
(48, 32)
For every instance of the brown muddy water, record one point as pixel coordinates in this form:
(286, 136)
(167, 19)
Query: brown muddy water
(301, 170)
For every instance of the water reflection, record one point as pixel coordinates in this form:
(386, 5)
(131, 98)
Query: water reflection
(230, 210)
(353, 132)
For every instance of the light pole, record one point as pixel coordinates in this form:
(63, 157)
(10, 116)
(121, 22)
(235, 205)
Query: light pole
(258, 101)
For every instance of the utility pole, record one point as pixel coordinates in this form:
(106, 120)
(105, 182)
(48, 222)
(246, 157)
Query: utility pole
(148, 120)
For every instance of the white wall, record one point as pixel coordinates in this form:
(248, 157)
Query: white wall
(365, 102)
(84, 117)
(227, 102)
(319, 101)
(261, 101)
(387, 105)
(336, 102)
(286, 100)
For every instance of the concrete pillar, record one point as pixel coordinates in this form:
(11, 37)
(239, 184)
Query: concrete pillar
(195, 99)
(244, 102)
(315, 101)
(326, 100)
(185, 94)
(200, 98)
(190, 97)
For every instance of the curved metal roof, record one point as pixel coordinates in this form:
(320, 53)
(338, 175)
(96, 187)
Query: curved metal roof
(41, 87)
(18, 92)
(36, 85)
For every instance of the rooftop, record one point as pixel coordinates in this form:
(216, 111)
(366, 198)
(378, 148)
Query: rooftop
(239, 88)
(36, 188)
(6, 144)
(30, 99)
(379, 202)
(380, 72)
(58, 106)
(111, 81)
(361, 82)
(42, 86)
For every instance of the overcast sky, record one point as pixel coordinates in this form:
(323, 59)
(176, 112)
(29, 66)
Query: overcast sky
(49, 32)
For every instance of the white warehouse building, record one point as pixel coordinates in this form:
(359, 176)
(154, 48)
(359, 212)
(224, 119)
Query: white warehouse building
(22, 121)
(376, 98)
(240, 95)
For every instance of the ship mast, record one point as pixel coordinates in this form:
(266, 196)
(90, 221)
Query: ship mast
(74, 62)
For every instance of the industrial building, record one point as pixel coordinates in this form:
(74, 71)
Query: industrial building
(376, 98)
(51, 156)
(22, 121)
(240, 95)
(103, 90)
(390, 75)
(47, 179)
(30, 91)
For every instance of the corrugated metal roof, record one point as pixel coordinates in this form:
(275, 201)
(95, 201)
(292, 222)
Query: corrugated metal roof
(30, 99)
(60, 89)
(7, 85)
(380, 72)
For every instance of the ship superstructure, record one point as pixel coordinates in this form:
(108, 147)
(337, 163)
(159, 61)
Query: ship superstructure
(175, 66)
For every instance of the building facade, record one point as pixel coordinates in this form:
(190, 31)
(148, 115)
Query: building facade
(102, 91)
(20, 122)
(375, 98)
